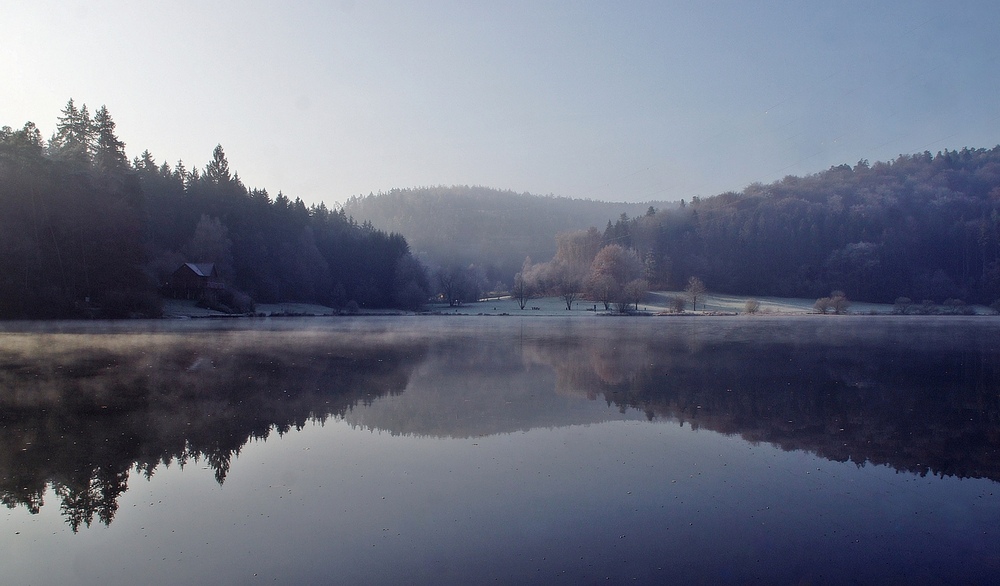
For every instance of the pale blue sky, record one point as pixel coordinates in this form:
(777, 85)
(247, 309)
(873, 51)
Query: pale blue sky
(618, 101)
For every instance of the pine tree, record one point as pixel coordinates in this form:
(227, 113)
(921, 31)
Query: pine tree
(109, 154)
(193, 179)
(180, 171)
(74, 136)
(217, 170)
(27, 141)
(146, 163)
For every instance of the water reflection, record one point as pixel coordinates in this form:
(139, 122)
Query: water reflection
(81, 411)
(919, 396)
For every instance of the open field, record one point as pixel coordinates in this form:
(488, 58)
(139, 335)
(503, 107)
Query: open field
(657, 302)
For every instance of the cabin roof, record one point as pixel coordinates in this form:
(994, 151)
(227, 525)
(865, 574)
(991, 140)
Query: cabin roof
(202, 269)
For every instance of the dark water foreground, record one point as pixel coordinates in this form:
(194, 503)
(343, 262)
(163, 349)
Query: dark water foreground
(501, 450)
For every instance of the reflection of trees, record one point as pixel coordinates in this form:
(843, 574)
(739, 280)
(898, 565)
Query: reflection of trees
(78, 413)
(471, 386)
(82, 499)
(919, 398)
(592, 366)
(916, 403)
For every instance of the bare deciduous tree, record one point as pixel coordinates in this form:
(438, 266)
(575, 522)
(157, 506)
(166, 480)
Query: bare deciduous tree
(613, 269)
(567, 283)
(601, 288)
(839, 302)
(577, 249)
(523, 287)
(695, 289)
(520, 290)
(636, 290)
(459, 284)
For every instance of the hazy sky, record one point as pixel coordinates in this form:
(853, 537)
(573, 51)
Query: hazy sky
(604, 100)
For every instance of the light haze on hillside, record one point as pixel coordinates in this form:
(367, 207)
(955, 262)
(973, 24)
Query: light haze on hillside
(629, 101)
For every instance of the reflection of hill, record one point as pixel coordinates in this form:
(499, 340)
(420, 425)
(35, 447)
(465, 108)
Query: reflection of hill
(902, 394)
(917, 395)
(475, 387)
(80, 412)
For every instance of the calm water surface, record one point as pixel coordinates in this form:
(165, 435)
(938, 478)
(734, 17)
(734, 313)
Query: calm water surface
(430, 450)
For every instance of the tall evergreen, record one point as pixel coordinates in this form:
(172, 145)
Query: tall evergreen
(217, 170)
(109, 151)
(73, 141)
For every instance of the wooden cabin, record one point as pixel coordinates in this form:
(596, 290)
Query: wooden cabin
(193, 279)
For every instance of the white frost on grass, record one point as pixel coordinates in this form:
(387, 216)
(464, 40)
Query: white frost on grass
(656, 302)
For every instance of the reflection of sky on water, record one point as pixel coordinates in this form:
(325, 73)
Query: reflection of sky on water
(475, 449)
(619, 499)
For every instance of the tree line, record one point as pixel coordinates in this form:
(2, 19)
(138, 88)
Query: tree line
(85, 231)
(922, 227)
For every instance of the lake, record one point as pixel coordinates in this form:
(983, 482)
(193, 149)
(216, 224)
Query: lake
(460, 450)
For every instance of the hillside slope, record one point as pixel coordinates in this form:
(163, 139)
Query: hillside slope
(921, 226)
(491, 228)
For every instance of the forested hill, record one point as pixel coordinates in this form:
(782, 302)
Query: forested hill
(85, 232)
(921, 226)
(491, 228)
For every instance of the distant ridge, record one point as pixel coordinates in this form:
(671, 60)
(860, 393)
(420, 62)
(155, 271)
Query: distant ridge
(492, 228)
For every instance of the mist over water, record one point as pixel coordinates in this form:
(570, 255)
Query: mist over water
(464, 449)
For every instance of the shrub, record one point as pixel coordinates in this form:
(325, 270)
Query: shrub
(823, 305)
(239, 301)
(957, 307)
(226, 301)
(902, 305)
(839, 302)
